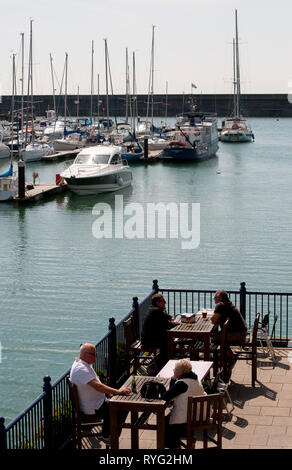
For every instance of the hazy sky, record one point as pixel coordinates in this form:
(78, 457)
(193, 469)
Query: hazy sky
(193, 43)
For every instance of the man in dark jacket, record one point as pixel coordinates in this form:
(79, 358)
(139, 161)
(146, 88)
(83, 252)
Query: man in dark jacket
(155, 326)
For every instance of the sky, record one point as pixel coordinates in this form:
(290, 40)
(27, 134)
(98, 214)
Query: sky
(193, 44)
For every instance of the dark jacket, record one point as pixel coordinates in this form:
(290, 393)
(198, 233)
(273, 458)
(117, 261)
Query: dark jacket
(176, 388)
(236, 321)
(156, 323)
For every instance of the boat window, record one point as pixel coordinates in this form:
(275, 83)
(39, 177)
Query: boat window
(116, 159)
(88, 159)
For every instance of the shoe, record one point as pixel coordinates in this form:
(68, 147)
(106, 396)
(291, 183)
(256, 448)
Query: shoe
(105, 439)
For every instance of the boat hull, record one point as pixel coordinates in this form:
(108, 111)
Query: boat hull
(203, 152)
(232, 137)
(8, 188)
(99, 184)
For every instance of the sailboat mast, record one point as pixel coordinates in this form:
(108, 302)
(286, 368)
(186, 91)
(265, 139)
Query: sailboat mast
(22, 81)
(65, 98)
(237, 66)
(235, 112)
(53, 83)
(31, 81)
(91, 87)
(134, 93)
(127, 86)
(106, 81)
(12, 101)
(166, 99)
(152, 77)
(98, 103)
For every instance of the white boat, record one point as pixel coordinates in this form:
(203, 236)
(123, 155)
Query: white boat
(97, 170)
(157, 143)
(55, 130)
(235, 128)
(35, 151)
(70, 142)
(4, 150)
(8, 184)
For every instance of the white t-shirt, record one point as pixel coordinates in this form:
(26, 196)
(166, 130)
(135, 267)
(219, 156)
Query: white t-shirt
(89, 398)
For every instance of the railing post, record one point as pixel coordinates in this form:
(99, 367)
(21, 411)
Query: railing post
(3, 442)
(146, 148)
(112, 352)
(48, 413)
(136, 316)
(242, 293)
(155, 286)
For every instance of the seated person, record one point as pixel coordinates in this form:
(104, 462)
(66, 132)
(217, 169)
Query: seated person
(155, 326)
(225, 309)
(184, 384)
(91, 392)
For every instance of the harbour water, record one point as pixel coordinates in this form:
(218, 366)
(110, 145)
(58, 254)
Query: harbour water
(59, 284)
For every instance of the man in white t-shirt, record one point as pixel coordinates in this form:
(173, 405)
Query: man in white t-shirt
(91, 391)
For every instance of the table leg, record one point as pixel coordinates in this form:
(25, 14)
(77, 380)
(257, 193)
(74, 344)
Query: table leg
(170, 347)
(160, 424)
(134, 431)
(207, 348)
(114, 434)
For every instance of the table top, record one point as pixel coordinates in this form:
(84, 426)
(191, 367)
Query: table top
(136, 398)
(201, 368)
(202, 325)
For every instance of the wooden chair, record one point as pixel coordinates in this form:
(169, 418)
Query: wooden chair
(249, 350)
(81, 427)
(135, 351)
(205, 414)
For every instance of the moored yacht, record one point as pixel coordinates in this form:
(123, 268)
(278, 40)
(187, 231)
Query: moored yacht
(97, 170)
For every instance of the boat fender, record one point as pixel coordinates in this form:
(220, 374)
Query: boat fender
(120, 181)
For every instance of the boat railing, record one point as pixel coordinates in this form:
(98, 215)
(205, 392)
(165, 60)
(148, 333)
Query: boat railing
(47, 422)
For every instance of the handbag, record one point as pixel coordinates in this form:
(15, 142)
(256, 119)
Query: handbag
(152, 390)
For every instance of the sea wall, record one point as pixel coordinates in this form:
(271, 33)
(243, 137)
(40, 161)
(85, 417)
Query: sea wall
(259, 105)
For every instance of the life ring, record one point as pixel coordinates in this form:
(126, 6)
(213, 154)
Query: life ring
(234, 126)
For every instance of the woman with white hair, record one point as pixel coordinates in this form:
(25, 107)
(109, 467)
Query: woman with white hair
(184, 384)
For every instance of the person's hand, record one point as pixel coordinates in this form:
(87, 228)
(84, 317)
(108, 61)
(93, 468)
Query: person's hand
(124, 391)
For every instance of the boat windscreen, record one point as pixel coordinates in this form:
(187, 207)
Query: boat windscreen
(91, 159)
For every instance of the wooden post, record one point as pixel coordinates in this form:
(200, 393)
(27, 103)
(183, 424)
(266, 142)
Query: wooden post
(3, 443)
(21, 179)
(48, 413)
(112, 352)
(242, 293)
(145, 148)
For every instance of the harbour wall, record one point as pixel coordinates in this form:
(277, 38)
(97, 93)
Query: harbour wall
(253, 105)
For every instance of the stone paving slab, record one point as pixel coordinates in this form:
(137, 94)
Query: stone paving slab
(262, 417)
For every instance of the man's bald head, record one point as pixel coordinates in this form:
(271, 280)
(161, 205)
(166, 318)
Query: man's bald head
(87, 352)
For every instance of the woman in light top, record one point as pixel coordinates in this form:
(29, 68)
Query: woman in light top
(184, 384)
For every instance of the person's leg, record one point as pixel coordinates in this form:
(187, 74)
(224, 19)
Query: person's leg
(103, 413)
(173, 432)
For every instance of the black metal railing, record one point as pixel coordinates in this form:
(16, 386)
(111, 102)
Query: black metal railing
(47, 422)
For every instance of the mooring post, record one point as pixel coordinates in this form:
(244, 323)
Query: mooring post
(48, 413)
(21, 179)
(112, 352)
(3, 442)
(242, 293)
(146, 148)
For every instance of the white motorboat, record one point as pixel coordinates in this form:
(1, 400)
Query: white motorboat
(4, 150)
(157, 143)
(55, 130)
(8, 184)
(97, 170)
(35, 151)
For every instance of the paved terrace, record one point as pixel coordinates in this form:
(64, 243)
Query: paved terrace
(262, 417)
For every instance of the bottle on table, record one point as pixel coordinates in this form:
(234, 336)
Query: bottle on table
(133, 384)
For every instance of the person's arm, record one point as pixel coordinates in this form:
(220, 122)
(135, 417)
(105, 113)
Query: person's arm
(216, 318)
(100, 387)
(175, 390)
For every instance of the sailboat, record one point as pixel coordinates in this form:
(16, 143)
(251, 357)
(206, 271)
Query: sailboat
(235, 128)
(8, 184)
(34, 150)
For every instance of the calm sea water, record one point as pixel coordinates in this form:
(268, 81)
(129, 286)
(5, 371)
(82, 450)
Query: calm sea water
(59, 284)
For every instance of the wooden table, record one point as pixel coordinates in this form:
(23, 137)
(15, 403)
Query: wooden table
(200, 368)
(134, 403)
(200, 330)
